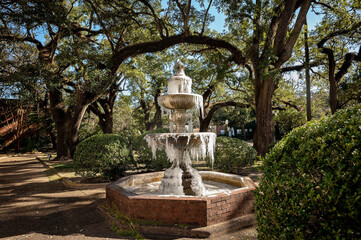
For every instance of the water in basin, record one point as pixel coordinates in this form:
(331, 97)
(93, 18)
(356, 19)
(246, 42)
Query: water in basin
(151, 188)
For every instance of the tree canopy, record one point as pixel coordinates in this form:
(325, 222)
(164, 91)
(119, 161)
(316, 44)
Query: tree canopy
(80, 55)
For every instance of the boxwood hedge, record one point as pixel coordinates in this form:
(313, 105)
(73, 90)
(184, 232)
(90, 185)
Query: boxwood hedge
(232, 154)
(311, 188)
(106, 154)
(143, 153)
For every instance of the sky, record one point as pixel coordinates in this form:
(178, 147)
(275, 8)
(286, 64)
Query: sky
(219, 21)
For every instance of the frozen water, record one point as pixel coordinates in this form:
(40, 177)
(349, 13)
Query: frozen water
(204, 146)
(152, 188)
(172, 182)
(179, 84)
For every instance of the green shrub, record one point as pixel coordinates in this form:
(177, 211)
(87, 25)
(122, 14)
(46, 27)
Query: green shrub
(106, 154)
(143, 153)
(311, 187)
(232, 154)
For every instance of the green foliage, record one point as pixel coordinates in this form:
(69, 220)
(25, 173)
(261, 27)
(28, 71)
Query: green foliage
(289, 119)
(106, 154)
(232, 154)
(311, 187)
(143, 153)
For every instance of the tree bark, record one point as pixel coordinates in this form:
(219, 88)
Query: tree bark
(307, 70)
(264, 135)
(150, 124)
(105, 118)
(59, 116)
(74, 126)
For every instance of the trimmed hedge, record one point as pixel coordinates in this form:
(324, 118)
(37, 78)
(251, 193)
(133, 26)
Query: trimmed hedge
(311, 187)
(143, 153)
(106, 154)
(232, 154)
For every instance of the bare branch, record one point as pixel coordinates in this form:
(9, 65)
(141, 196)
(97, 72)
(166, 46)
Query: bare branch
(205, 17)
(298, 67)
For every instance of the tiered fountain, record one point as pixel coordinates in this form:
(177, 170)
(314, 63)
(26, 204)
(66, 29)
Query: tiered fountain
(181, 178)
(181, 194)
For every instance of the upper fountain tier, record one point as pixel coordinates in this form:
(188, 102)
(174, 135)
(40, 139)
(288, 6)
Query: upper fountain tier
(179, 82)
(179, 99)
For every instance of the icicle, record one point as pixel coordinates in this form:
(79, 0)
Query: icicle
(152, 144)
(163, 109)
(198, 106)
(190, 126)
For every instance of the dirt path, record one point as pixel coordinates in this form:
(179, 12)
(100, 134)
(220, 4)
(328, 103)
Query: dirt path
(31, 207)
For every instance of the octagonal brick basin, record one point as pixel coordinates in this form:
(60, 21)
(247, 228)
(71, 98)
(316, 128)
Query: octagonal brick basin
(228, 196)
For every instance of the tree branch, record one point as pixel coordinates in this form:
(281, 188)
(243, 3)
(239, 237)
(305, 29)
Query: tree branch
(17, 38)
(133, 50)
(156, 19)
(285, 53)
(205, 17)
(298, 67)
(338, 33)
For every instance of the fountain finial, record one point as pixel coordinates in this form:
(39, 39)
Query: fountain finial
(179, 67)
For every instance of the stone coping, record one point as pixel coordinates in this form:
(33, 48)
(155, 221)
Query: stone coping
(133, 180)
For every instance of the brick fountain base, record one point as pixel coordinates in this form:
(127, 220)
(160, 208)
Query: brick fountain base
(188, 210)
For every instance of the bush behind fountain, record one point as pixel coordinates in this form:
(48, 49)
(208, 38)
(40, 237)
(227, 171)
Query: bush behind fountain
(105, 154)
(143, 154)
(311, 188)
(233, 154)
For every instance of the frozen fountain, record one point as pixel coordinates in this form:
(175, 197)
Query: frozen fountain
(181, 194)
(180, 146)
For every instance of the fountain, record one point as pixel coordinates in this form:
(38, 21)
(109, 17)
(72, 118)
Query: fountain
(181, 194)
(181, 178)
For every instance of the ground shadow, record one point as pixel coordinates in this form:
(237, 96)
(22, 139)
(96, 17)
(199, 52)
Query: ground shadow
(49, 208)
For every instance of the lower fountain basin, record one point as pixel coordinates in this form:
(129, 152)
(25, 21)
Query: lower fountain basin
(228, 196)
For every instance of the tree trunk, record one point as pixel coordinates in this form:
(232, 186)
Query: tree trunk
(307, 70)
(74, 126)
(332, 80)
(333, 96)
(106, 124)
(244, 132)
(264, 135)
(59, 116)
(205, 122)
(158, 112)
(62, 150)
